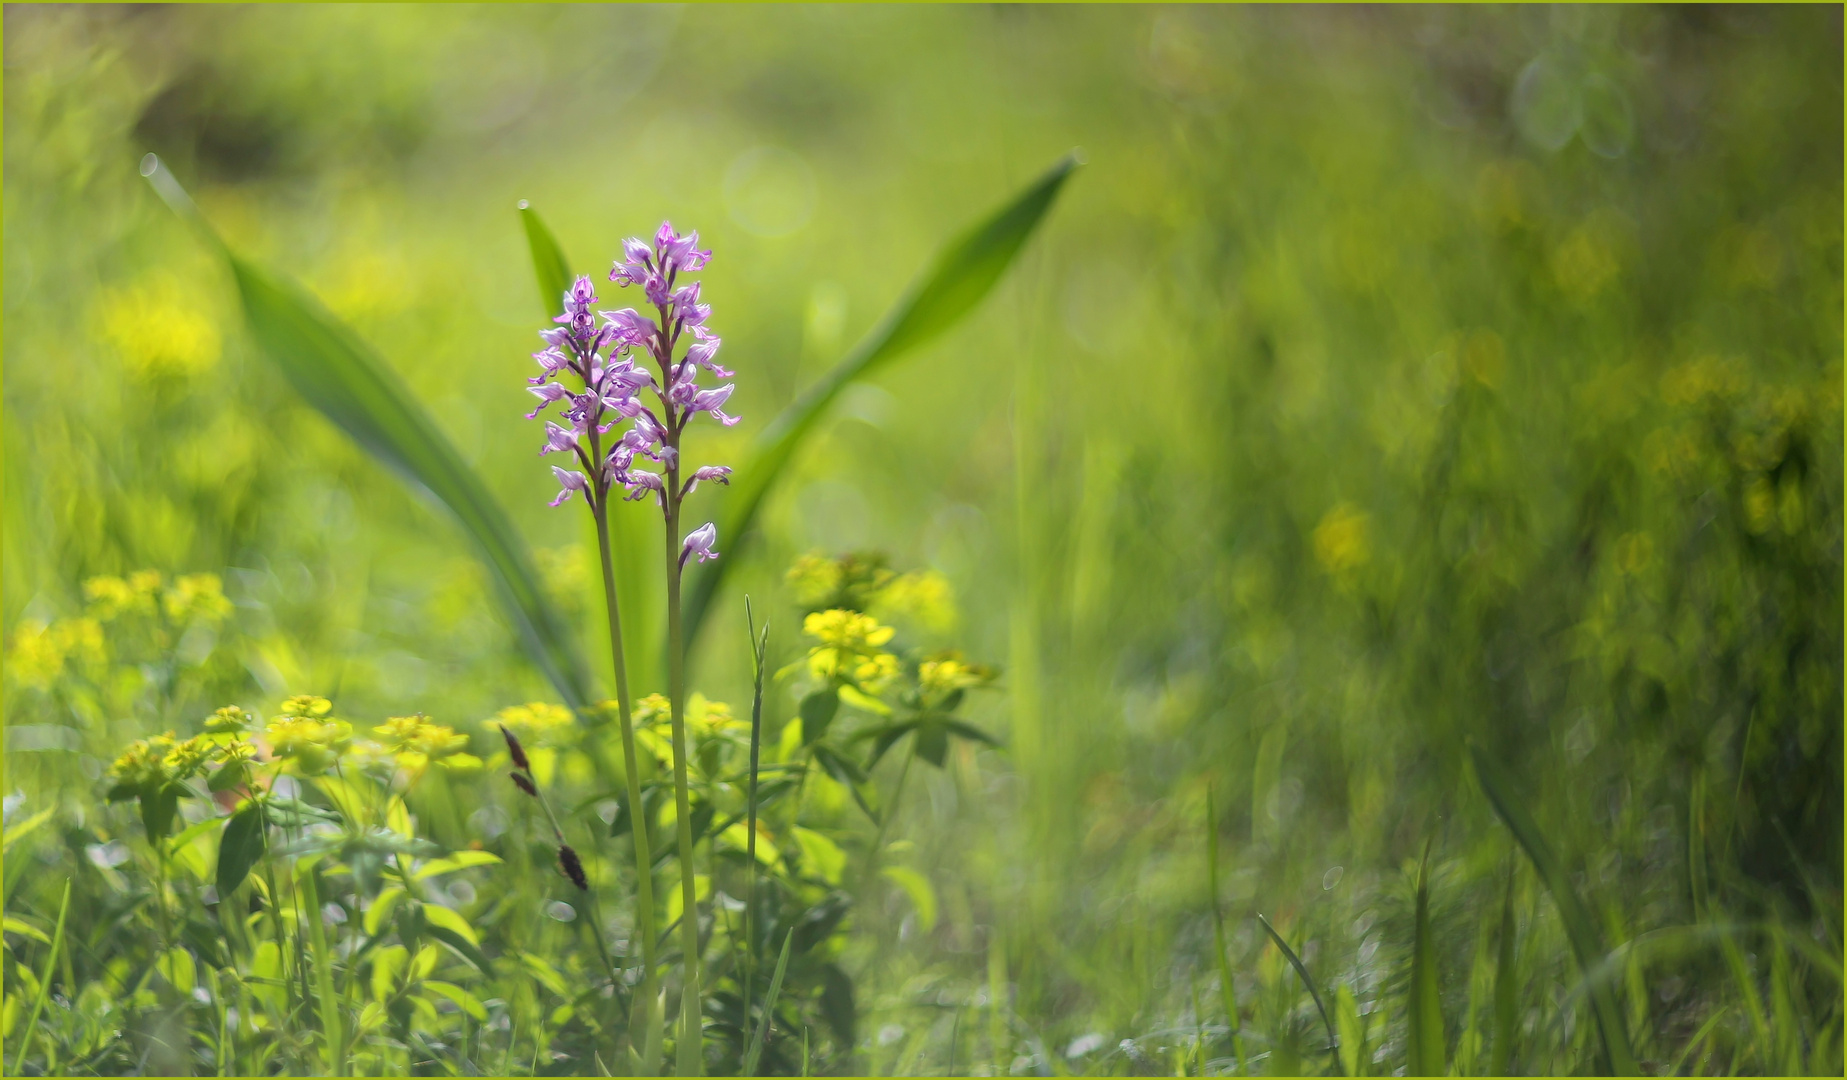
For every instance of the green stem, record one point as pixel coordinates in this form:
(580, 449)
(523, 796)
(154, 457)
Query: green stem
(757, 647)
(644, 1001)
(691, 1058)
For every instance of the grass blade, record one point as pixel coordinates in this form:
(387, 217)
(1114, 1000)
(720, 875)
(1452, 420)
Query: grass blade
(341, 376)
(1226, 991)
(550, 268)
(759, 644)
(1426, 1043)
(769, 1008)
(44, 982)
(1296, 962)
(1578, 926)
(959, 279)
(1506, 985)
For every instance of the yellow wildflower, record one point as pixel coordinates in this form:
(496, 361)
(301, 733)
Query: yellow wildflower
(141, 764)
(850, 648)
(539, 720)
(921, 595)
(415, 742)
(110, 596)
(311, 746)
(948, 673)
(712, 718)
(229, 719)
(197, 596)
(307, 705)
(651, 710)
(39, 651)
(187, 758)
(815, 579)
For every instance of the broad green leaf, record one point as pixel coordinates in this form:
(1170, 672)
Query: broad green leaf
(450, 919)
(191, 833)
(1352, 1031)
(817, 711)
(1302, 972)
(550, 268)
(20, 926)
(468, 950)
(461, 860)
(346, 796)
(917, 887)
(340, 375)
(469, 1003)
(962, 275)
(158, 808)
(240, 848)
(382, 904)
(1579, 929)
(176, 966)
(1424, 1036)
(752, 1055)
(822, 855)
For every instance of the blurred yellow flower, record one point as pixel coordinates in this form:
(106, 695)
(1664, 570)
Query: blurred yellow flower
(141, 763)
(110, 596)
(945, 675)
(415, 742)
(306, 705)
(850, 649)
(197, 596)
(923, 596)
(1341, 542)
(228, 719)
(39, 651)
(815, 578)
(311, 746)
(539, 719)
(159, 330)
(651, 710)
(710, 718)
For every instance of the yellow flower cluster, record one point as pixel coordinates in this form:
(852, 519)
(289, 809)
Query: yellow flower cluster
(415, 742)
(192, 596)
(541, 722)
(922, 595)
(306, 737)
(850, 649)
(709, 719)
(946, 674)
(862, 582)
(164, 759)
(40, 651)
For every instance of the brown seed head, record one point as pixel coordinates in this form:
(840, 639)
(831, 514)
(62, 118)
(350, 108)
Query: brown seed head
(573, 867)
(525, 785)
(515, 749)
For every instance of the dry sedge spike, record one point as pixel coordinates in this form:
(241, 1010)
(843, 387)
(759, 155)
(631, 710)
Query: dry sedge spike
(517, 751)
(573, 867)
(525, 785)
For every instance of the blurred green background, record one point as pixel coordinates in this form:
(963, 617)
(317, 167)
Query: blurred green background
(1387, 378)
